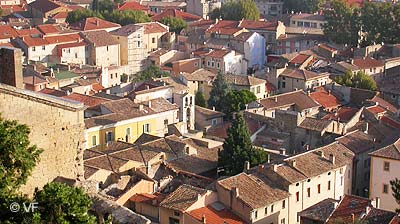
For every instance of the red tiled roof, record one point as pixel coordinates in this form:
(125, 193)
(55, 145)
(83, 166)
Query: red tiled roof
(326, 47)
(28, 32)
(389, 121)
(133, 6)
(218, 53)
(34, 41)
(45, 5)
(48, 28)
(326, 99)
(364, 63)
(12, 8)
(349, 206)
(7, 32)
(7, 44)
(269, 87)
(90, 101)
(148, 198)
(344, 114)
(153, 27)
(376, 110)
(213, 216)
(202, 23)
(177, 14)
(63, 38)
(60, 15)
(299, 59)
(258, 25)
(53, 92)
(94, 23)
(97, 87)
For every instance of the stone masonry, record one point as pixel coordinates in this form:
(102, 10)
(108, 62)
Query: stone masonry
(57, 127)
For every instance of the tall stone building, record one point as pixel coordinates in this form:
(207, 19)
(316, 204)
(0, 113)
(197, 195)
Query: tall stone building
(11, 67)
(56, 127)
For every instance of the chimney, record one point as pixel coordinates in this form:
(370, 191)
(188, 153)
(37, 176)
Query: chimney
(235, 191)
(246, 166)
(332, 158)
(213, 108)
(321, 153)
(97, 23)
(149, 103)
(308, 92)
(275, 167)
(58, 70)
(376, 202)
(147, 87)
(203, 219)
(141, 107)
(276, 99)
(307, 147)
(329, 92)
(367, 210)
(293, 163)
(366, 128)
(268, 158)
(234, 81)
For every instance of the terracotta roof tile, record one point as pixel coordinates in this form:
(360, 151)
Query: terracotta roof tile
(200, 75)
(153, 27)
(391, 122)
(182, 198)
(300, 59)
(215, 216)
(344, 114)
(133, 5)
(299, 99)
(89, 101)
(177, 14)
(243, 80)
(7, 32)
(320, 211)
(314, 124)
(302, 74)
(376, 110)
(28, 32)
(366, 63)
(357, 141)
(208, 113)
(391, 151)
(45, 5)
(258, 25)
(93, 23)
(326, 99)
(246, 185)
(100, 38)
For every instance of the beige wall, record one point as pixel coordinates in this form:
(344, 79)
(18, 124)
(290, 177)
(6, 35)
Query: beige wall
(57, 128)
(379, 177)
(143, 186)
(107, 55)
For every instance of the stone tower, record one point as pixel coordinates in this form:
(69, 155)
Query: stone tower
(11, 67)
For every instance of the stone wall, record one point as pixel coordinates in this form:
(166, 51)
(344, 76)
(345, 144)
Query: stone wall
(56, 126)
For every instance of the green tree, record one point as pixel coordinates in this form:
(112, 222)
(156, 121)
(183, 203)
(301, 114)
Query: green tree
(60, 203)
(240, 9)
(343, 23)
(80, 14)
(215, 13)
(235, 101)
(200, 99)
(127, 17)
(395, 184)
(218, 92)
(305, 6)
(237, 149)
(105, 6)
(359, 80)
(17, 156)
(151, 72)
(17, 160)
(124, 78)
(175, 24)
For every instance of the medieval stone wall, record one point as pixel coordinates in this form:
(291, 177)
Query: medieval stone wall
(57, 127)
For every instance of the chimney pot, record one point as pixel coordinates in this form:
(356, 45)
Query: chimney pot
(246, 166)
(332, 158)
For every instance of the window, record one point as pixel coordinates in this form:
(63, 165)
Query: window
(214, 122)
(109, 136)
(284, 204)
(176, 213)
(283, 85)
(329, 185)
(94, 140)
(218, 65)
(255, 214)
(385, 188)
(76, 55)
(341, 170)
(319, 188)
(153, 40)
(146, 128)
(111, 75)
(283, 221)
(272, 208)
(258, 89)
(341, 181)
(208, 63)
(367, 162)
(308, 192)
(165, 123)
(43, 47)
(33, 49)
(297, 196)
(107, 48)
(386, 166)
(266, 211)
(138, 43)
(127, 134)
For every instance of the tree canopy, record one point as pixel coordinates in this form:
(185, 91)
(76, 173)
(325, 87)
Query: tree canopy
(305, 6)
(237, 10)
(343, 23)
(235, 101)
(151, 72)
(395, 184)
(237, 149)
(218, 92)
(127, 17)
(200, 99)
(359, 80)
(175, 24)
(80, 14)
(60, 203)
